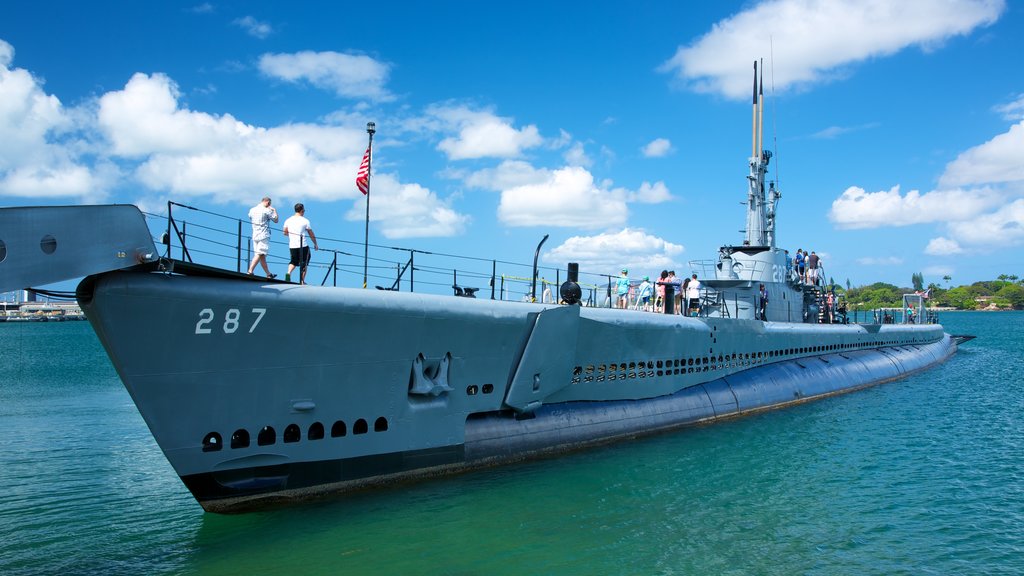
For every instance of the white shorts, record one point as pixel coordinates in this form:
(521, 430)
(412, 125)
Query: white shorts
(261, 246)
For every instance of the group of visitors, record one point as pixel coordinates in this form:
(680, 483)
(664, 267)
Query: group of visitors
(807, 266)
(651, 296)
(296, 228)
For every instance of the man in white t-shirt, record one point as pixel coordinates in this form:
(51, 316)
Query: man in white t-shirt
(295, 228)
(261, 215)
(693, 294)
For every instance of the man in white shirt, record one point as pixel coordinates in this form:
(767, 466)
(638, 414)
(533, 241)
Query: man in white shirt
(261, 215)
(693, 293)
(295, 228)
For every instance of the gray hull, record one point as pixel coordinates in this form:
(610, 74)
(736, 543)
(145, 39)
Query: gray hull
(263, 392)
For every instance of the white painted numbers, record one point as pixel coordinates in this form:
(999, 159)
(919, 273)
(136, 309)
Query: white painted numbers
(778, 273)
(233, 320)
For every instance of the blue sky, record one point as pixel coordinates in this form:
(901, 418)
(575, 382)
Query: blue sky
(622, 130)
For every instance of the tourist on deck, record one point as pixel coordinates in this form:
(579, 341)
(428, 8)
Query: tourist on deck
(659, 302)
(763, 299)
(801, 265)
(693, 293)
(643, 295)
(672, 281)
(813, 263)
(295, 228)
(622, 290)
(684, 299)
(261, 215)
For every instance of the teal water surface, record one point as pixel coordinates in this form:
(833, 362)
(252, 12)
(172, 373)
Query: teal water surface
(920, 476)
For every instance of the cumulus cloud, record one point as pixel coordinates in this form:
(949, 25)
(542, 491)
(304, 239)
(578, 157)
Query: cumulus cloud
(195, 153)
(508, 174)
(943, 247)
(857, 208)
(651, 193)
(999, 160)
(640, 252)
(577, 156)
(253, 27)
(1012, 111)
(347, 75)
(479, 133)
(39, 148)
(408, 211)
(1001, 228)
(823, 38)
(192, 153)
(145, 118)
(657, 148)
(568, 197)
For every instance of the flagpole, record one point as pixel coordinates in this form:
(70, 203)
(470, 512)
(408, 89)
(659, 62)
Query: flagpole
(370, 129)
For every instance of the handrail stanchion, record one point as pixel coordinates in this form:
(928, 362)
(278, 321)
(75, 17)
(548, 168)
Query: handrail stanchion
(238, 261)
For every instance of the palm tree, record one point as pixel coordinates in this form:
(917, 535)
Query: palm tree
(947, 278)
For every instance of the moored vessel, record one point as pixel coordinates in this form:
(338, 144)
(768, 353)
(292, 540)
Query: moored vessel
(368, 387)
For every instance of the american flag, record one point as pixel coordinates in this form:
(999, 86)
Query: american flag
(363, 177)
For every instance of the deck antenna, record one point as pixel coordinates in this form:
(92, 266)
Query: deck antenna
(775, 113)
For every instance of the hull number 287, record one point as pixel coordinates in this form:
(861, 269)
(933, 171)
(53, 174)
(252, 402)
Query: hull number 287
(233, 320)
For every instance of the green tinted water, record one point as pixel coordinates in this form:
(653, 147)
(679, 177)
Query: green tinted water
(920, 476)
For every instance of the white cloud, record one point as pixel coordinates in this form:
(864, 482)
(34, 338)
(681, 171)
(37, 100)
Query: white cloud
(651, 193)
(1012, 111)
(407, 210)
(641, 253)
(568, 197)
(657, 148)
(576, 156)
(821, 38)
(480, 134)
(880, 261)
(999, 160)
(943, 247)
(999, 229)
(253, 27)
(857, 208)
(39, 150)
(6, 54)
(144, 118)
(347, 75)
(508, 174)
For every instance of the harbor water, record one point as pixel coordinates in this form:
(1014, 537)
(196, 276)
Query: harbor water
(924, 475)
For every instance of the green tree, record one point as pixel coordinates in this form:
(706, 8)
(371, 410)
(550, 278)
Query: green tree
(877, 295)
(947, 278)
(918, 280)
(960, 298)
(1011, 296)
